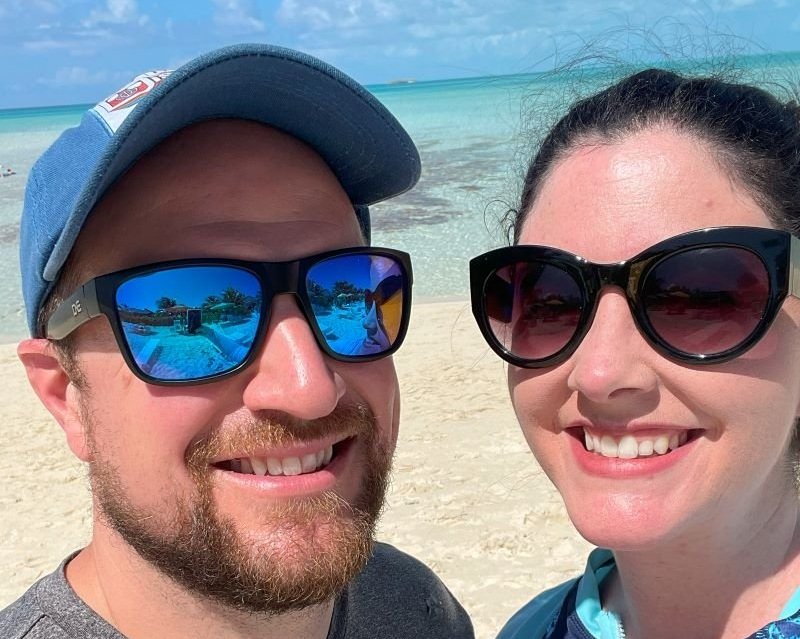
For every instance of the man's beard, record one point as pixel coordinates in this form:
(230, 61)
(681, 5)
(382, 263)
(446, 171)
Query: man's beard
(314, 547)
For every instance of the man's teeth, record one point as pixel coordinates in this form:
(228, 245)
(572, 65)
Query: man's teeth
(628, 447)
(288, 466)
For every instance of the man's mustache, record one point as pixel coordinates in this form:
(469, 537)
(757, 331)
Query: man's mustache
(275, 429)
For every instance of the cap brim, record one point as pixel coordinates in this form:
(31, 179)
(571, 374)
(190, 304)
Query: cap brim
(364, 145)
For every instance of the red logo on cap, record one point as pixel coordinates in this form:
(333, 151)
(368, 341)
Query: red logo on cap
(127, 95)
(133, 92)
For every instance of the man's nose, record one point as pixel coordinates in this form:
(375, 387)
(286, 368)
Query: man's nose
(290, 373)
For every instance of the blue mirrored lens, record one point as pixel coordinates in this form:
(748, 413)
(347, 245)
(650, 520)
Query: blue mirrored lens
(190, 322)
(358, 302)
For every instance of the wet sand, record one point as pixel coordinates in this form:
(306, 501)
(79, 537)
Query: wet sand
(467, 497)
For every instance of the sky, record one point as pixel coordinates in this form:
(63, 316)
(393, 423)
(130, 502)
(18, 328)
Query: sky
(80, 51)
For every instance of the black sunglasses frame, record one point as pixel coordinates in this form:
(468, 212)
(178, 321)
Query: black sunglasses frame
(98, 297)
(779, 251)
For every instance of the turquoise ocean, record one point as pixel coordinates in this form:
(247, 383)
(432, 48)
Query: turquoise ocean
(473, 135)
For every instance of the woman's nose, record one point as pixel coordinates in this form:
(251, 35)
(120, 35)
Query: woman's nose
(611, 361)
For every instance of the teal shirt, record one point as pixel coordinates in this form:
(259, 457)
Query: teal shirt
(533, 620)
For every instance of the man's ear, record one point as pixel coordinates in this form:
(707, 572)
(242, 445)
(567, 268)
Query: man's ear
(56, 391)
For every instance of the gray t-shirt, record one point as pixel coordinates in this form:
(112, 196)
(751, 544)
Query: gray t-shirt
(394, 597)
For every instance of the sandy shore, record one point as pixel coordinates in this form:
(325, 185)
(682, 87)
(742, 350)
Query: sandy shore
(467, 498)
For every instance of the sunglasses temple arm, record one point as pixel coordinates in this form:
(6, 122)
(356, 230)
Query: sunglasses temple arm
(77, 309)
(794, 266)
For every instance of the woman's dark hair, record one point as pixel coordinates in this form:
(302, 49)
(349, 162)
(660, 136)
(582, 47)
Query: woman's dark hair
(755, 136)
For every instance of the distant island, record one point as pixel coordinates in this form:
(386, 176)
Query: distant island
(402, 81)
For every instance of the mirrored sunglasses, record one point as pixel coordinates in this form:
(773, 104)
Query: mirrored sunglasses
(199, 320)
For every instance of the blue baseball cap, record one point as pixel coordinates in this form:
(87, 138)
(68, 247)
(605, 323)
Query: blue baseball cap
(363, 144)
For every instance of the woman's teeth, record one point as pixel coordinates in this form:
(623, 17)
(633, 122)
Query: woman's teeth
(288, 466)
(628, 447)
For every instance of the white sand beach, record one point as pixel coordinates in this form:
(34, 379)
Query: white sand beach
(467, 497)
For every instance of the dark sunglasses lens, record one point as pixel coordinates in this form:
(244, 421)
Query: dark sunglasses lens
(533, 308)
(189, 323)
(707, 300)
(358, 302)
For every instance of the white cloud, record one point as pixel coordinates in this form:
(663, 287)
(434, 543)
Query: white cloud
(445, 31)
(422, 30)
(74, 76)
(403, 51)
(75, 45)
(512, 35)
(22, 9)
(118, 21)
(338, 14)
(45, 44)
(314, 17)
(385, 10)
(46, 6)
(116, 12)
(727, 5)
(239, 16)
(80, 42)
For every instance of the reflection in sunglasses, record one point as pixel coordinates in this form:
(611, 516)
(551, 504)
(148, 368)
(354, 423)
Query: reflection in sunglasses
(359, 319)
(341, 316)
(707, 299)
(201, 321)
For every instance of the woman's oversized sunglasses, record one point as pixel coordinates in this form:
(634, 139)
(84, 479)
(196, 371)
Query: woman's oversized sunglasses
(199, 320)
(701, 297)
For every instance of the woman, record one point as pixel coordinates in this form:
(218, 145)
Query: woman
(655, 357)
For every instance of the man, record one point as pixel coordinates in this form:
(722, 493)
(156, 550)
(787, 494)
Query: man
(193, 261)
